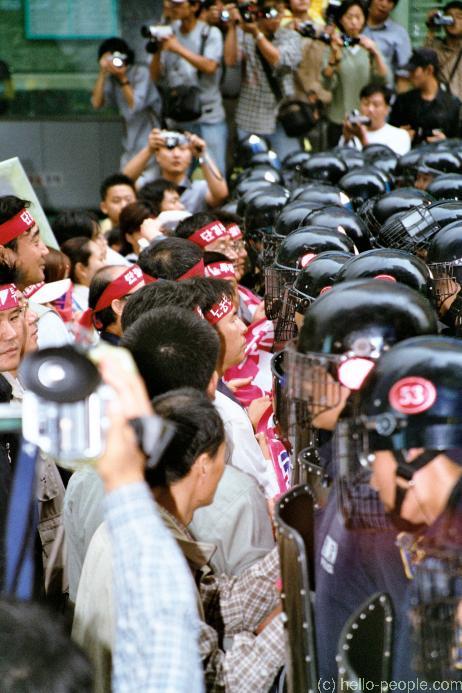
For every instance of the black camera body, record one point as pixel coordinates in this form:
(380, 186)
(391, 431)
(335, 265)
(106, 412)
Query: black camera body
(439, 19)
(248, 11)
(119, 59)
(174, 139)
(349, 40)
(155, 33)
(356, 118)
(308, 30)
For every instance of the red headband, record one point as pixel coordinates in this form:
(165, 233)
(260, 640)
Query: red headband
(219, 310)
(208, 234)
(20, 223)
(8, 297)
(220, 270)
(235, 232)
(196, 270)
(32, 289)
(120, 287)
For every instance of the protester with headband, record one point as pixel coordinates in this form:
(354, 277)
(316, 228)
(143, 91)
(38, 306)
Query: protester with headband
(21, 246)
(172, 258)
(208, 233)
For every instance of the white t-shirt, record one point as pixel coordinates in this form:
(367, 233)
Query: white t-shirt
(396, 138)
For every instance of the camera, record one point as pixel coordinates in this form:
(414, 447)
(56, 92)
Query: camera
(331, 11)
(155, 33)
(355, 118)
(225, 17)
(65, 408)
(174, 139)
(119, 59)
(349, 40)
(308, 30)
(248, 11)
(439, 19)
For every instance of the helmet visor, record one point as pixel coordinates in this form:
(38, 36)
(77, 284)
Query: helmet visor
(293, 302)
(413, 231)
(276, 280)
(447, 279)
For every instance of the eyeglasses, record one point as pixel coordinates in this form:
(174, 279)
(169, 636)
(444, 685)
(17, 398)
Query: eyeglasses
(238, 246)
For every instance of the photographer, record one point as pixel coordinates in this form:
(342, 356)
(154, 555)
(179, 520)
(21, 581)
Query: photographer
(127, 87)
(449, 48)
(352, 62)
(391, 38)
(174, 152)
(266, 49)
(192, 56)
(374, 108)
(428, 112)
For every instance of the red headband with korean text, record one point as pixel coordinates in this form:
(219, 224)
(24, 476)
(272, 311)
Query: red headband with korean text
(219, 310)
(8, 297)
(17, 225)
(120, 287)
(220, 270)
(208, 234)
(235, 232)
(196, 270)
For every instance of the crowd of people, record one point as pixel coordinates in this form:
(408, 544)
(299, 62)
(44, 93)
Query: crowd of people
(293, 313)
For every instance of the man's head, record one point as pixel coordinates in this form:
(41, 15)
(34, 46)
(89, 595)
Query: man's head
(206, 231)
(454, 10)
(185, 10)
(132, 230)
(86, 259)
(299, 8)
(174, 161)
(379, 11)
(12, 328)
(423, 67)
(111, 286)
(20, 242)
(161, 294)
(116, 45)
(24, 323)
(195, 457)
(173, 349)
(269, 16)
(161, 195)
(116, 192)
(170, 258)
(375, 104)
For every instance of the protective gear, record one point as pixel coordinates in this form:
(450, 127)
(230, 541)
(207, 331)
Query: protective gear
(290, 219)
(439, 161)
(261, 172)
(382, 157)
(323, 166)
(445, 261)
(350, 156)
(413, 230)
(316, 278)
(280, 403)
(341, 219)
(406, 168)
(363, 183)
(322, 194)
(268, 158)
(446, 187)
(377, 210)
(391, 265)
(262, 211)
(295, 253)
(291, 167)
(249, 146)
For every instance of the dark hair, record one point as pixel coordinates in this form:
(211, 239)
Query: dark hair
(72, 223)
(101, 279)
(10, 205)
(153, 193)
(191, 224)
(169, 258)
(77, 250)
(130, 219)
(375, 88)
(116, 44)
(115, 179)
(343, 9)
(211, 256)
(453, 5)
(37, 653)
(173, 349)
(8, 273)
(198, 430)
(57, 265)
(157, 295)
(227, 218)
(206, 291)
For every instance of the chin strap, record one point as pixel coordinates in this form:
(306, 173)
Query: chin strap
(406, 470)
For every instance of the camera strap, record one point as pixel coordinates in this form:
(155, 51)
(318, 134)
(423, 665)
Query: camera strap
(21, 525)
(272, 81)
(454, 68)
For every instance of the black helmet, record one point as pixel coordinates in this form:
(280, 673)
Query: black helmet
(413, 230)
(291, 166)
(249, 146)
(311, 282)
(413, 399)
(321, 194)
(268, 158)
(439, 161)
(247, 186)
(377, 210)
(390, 264)
(291, 217)
(363, 183)
(446, 187)
(341, 219)
(345, 331)
(406, 168)
(295, 253)
(445, 262)
(261, 172)
(382, 157)
(323, 166)
(352, 157)
(262, 211)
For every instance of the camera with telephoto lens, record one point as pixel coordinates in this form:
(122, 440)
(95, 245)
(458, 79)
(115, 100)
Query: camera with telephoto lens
(309, 30)
(439, 19)
(173, 139)
(65, 406)
(155, 33)
(119, 59)
(356, 118)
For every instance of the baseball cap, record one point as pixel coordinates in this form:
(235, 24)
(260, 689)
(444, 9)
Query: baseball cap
(421, 57)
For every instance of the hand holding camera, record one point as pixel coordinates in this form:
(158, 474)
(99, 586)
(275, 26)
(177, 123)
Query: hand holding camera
(114, 64)
(436, 19)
